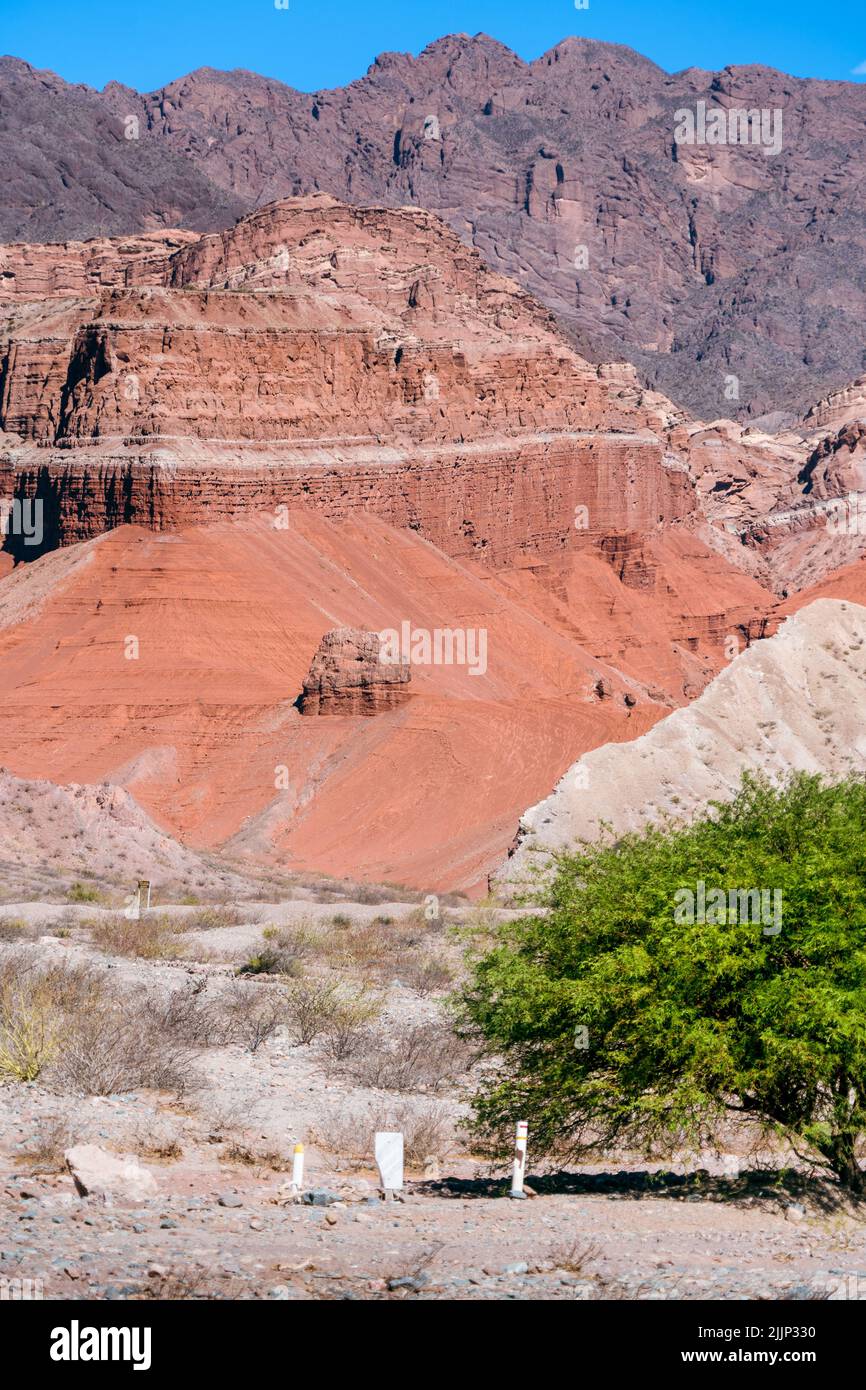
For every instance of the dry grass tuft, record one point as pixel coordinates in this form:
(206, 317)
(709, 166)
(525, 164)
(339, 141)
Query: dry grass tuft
(54, 1135)
(154, 937)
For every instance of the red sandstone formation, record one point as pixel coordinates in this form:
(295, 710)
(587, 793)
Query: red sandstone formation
(198, 720)
(348, 676)
(333, 417)
(328, 356)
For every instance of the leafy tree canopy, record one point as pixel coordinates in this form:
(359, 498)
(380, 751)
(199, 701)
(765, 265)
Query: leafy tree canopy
(616, 1020)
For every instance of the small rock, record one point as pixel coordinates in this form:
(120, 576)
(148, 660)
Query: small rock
(230, 1199)
(321, 1197)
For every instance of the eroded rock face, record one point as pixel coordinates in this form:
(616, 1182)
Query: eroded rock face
(349, 676)
(679, 257)
(317, 355)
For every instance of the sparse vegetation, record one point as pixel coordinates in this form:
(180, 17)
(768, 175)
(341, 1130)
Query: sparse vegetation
(84, 893)
(54, 1135)
(311, 1005)
(347, 1029)
(282, 950)
(252, 1013)
(427, 1127)
(156, 936)
(417, 1057)
(67, 1023)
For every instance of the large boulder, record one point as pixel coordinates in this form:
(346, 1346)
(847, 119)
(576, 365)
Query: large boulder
(97, 1173)
(349, 676)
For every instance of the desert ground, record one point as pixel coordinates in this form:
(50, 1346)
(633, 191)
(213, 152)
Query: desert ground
(339, 1028)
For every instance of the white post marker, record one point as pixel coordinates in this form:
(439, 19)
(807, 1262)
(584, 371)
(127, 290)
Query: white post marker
(389, 1161)
(132, 911)
(144, 894)
(298, 1168)
(520, 1138)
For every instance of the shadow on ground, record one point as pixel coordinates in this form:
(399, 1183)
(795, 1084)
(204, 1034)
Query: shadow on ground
(779, 1187)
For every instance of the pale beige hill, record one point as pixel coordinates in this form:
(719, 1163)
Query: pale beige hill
(53, 834)
(794, 701)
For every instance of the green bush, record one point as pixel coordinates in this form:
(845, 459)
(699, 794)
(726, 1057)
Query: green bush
(616, 1020)
(83, 893)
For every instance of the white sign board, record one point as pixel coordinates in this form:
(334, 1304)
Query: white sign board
(389, 1160)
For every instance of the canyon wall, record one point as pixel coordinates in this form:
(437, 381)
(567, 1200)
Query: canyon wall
(318, 355)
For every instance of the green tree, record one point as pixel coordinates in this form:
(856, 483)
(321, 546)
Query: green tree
(617, 1022)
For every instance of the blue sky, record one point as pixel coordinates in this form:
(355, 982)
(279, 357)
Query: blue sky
(325, 43)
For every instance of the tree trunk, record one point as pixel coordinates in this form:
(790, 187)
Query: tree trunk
(844, 1163)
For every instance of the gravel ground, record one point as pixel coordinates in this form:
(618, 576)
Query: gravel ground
(220, 1227)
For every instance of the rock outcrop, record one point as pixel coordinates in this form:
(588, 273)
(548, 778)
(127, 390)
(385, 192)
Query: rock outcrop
(349, 676)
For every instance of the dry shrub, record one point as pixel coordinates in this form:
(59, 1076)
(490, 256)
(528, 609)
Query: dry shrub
(16, 932)
(187, 1016)
(251, 1014)
(37, 1000)
(154, 1140)
(212, 918)
(427, 1129)
(348, 1030)
(573, 1256)
(310, 1007)
(384, 949)
(416, 1057)
(185, 1285)
(82, 1032)
(53, 1136)
(427, 974)
(282, 950)
(253, 1156)
(84, 893)
(28, 1034)
(362, 946)
(151, 938)
(369, 894)
(119, 1046)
